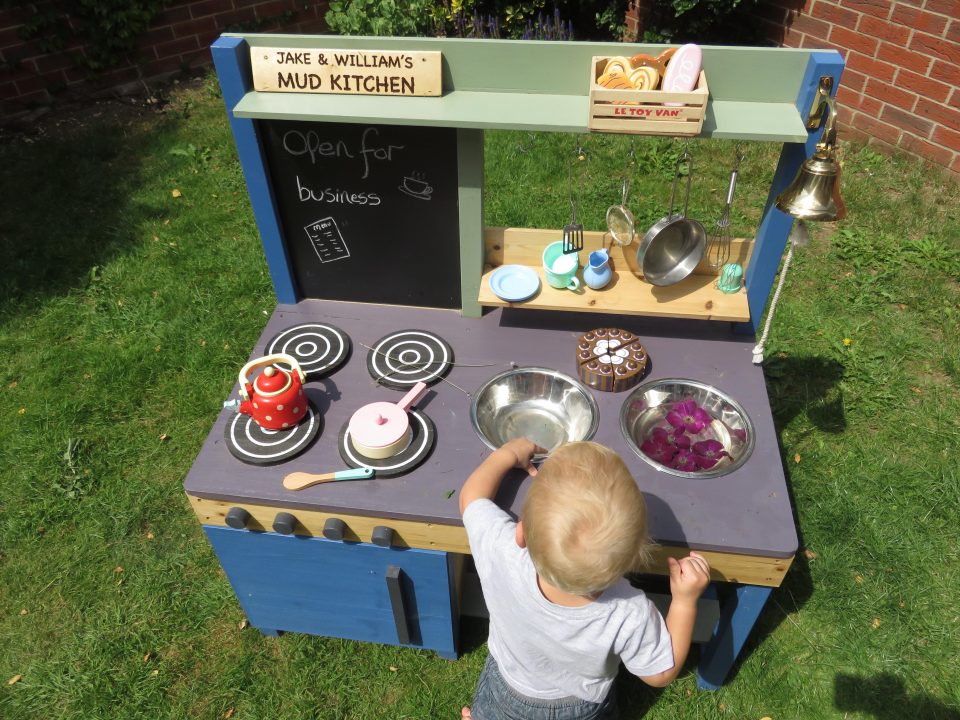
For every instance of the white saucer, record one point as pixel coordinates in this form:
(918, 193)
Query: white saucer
(514, 283)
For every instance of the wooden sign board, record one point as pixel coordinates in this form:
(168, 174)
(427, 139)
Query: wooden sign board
(346, 72)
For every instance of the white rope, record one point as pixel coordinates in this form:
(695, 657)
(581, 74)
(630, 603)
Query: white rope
(758, 348)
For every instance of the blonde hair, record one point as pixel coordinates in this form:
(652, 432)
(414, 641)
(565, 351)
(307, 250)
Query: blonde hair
(585, 519)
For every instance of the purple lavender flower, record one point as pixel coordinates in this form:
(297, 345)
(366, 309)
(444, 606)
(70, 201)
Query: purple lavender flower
(684, 460)
(673, 436)
(708, 453)
(689, 416)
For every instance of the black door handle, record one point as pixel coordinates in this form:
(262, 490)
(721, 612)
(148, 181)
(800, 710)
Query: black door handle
(394, 588)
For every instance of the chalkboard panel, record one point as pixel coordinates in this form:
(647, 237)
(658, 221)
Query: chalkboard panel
(368, 212)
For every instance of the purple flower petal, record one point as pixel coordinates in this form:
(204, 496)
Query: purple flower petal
(705, 463)
(662, 453)
(684, 460)
(702, 418)
(676, 419)
(709, 448)
(671, 436)
(708, 453)
(661, 436)
(684, 407)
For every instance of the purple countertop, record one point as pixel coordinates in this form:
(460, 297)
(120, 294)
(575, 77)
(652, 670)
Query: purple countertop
(747, 511)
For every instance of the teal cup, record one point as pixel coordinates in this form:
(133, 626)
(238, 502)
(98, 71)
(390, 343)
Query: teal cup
(559, 268)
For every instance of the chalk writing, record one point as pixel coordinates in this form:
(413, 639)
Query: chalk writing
(336, 195)
(310, 143)
(326, 240)
(416, 186)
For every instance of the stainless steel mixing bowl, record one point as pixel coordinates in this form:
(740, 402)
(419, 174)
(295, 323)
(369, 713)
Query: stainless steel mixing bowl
(543, 405)
(648, 405)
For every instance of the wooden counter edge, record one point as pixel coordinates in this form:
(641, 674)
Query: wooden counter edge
(726, 567)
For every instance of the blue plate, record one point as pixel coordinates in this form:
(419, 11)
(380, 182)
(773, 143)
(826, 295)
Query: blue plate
(514, 283)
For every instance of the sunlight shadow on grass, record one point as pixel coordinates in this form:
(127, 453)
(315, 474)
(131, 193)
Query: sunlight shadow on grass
(884, 697)
(806, 385)
(68, 210)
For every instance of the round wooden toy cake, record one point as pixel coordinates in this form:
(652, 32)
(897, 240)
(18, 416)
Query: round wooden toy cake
(610, 359)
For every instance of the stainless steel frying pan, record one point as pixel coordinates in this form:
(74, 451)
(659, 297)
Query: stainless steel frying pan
(672, 248)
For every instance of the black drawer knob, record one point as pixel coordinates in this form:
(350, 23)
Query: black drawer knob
(237, 518)
(334, 529)
(284, 523)
(382, 536)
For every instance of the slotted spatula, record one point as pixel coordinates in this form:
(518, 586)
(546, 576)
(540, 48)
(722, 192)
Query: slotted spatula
(573, 233)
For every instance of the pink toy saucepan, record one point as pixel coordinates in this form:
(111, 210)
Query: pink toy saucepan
(381, 429)
(275, 399)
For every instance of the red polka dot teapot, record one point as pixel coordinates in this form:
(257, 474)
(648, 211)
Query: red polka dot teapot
(275, 399)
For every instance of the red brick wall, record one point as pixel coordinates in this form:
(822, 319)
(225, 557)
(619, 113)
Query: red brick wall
(900, 86)
(179, 38)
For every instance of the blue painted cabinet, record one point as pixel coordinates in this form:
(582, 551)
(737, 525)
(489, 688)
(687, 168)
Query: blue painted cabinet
(397, 596)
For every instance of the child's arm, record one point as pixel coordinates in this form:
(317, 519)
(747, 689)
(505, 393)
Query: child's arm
(485, 480)
(689, 577)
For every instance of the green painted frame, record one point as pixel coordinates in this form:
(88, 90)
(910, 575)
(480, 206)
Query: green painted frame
(756, 94)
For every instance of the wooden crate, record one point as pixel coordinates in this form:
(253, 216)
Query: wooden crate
(646, 112)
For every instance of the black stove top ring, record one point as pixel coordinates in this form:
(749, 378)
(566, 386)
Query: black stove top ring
(254, 445)
(404, 358)
(320, 348)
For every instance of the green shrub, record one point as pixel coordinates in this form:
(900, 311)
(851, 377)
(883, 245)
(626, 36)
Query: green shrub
(521, 19)
(401, 18)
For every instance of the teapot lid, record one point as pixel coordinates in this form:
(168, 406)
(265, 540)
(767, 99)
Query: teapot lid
(272, 381)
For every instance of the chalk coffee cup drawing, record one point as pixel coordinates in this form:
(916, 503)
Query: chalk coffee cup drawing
(415, 187)
(559, 268)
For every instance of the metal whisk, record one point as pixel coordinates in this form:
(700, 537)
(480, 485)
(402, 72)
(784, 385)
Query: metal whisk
(718, 244)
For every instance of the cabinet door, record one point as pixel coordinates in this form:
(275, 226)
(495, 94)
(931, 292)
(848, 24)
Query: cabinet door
(399, 596)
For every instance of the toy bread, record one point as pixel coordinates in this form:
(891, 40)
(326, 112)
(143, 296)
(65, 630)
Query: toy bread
(617, 64)
(615, 81)
(645, 78)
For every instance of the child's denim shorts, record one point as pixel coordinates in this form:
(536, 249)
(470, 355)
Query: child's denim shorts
(496, 700)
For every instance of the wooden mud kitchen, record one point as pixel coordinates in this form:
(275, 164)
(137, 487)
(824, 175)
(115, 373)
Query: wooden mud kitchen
(397, 309)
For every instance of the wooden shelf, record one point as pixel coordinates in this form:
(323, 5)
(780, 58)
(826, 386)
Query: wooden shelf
(541, 86)
(695, 297)
(765, 121)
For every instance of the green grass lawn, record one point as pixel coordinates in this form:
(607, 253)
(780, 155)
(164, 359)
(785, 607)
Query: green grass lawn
(126, 309)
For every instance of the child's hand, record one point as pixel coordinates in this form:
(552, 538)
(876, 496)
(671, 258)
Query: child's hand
(689, 577)
(524, 450)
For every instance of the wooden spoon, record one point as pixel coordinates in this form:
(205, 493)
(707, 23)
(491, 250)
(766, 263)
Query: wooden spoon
(301, 480)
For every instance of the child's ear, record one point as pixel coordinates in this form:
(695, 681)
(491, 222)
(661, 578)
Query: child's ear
(521, 540)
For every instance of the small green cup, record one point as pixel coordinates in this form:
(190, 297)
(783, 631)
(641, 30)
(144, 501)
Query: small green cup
(561, 268)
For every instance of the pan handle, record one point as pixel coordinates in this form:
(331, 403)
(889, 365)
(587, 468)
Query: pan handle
(685, 157)
(414, 394)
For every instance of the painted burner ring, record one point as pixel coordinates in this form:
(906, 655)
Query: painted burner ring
(318, 347)
(252, 444)
(422, 439)
(402, 359)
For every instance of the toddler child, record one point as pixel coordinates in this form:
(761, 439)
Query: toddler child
(562, 616)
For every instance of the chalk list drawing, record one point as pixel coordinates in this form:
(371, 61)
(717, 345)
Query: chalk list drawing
(416, 186)
(327, 241)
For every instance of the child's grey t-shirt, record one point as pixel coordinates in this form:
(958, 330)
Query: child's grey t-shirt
(549, 651)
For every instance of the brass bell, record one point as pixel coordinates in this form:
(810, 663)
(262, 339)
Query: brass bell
(814, 193)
